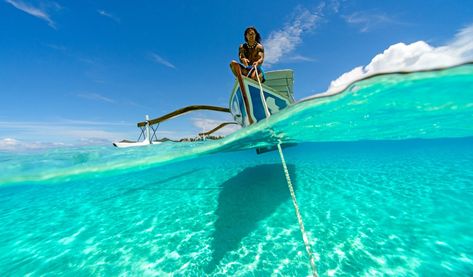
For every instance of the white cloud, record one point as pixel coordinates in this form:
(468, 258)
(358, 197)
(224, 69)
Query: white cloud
(109, 15)
(27, 135)
(89, 123)
(284, 41)
(300, 58)
(8, 143)
(55, 47)
(334, 5)
(11, 144)
(369, 20)
(95, 97)
(60, 132)
(411, 57)
(88, 134)
(34, 11)
(158, 59)
(206, 125)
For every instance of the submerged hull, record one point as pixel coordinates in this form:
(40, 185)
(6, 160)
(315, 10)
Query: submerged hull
(247, 102)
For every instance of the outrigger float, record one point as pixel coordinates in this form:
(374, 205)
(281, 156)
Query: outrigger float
(250, 101)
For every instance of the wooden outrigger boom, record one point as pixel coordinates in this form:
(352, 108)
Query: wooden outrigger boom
(217, 128)
(145, 126)
(181, 112)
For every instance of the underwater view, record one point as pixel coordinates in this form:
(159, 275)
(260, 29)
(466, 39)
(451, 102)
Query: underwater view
(381, 170)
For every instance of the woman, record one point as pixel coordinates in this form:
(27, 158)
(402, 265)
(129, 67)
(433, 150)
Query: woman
(251, 54)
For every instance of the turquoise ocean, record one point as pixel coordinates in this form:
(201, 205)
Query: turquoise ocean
(383, 174)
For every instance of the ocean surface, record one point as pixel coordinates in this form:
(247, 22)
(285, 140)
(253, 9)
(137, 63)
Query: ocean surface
(383, 174)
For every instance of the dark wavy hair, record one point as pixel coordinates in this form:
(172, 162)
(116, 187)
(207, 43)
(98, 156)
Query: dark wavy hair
(257, 38)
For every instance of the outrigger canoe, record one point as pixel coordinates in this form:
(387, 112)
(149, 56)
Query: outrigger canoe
(250, 102)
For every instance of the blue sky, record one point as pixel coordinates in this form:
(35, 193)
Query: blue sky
(80, 72)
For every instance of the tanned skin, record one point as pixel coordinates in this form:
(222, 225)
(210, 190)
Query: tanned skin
(251, 54)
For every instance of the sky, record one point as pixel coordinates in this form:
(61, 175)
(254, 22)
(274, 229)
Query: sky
(85, 72)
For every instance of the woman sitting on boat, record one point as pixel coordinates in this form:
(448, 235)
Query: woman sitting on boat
(251, 54)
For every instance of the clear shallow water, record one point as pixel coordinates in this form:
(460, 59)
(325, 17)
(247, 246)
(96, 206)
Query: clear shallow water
(398, 207)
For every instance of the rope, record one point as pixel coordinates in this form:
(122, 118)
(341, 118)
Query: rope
(266, 111)
(291, 188)
(298, 214)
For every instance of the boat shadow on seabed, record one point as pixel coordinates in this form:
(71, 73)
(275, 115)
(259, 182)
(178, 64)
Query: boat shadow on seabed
(246, 199)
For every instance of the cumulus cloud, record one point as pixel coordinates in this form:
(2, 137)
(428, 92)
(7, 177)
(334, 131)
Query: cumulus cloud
(40, 13)
(282, 42)
(158, 59)
(412, 57)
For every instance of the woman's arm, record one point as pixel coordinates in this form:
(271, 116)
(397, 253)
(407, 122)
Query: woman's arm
(241, 55)
(260, 50)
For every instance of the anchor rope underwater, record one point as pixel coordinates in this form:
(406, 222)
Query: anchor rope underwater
(305, 238)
